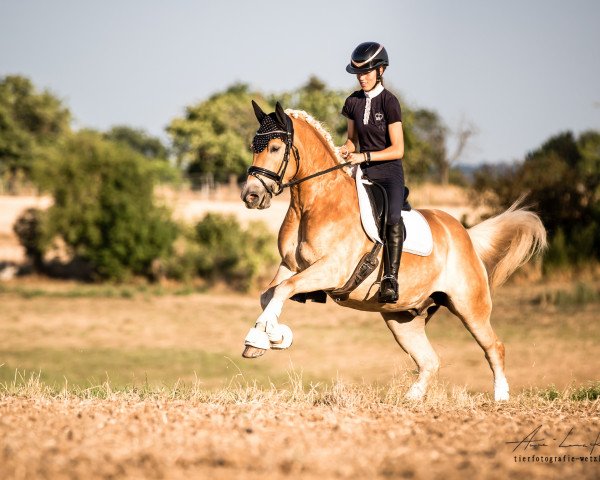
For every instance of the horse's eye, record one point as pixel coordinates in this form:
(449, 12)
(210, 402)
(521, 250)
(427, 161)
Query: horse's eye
(275, 148)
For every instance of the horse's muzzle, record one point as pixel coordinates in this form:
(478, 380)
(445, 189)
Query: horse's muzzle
(255, 196)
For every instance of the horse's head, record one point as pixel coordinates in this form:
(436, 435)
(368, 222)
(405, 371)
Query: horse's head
(272, 145)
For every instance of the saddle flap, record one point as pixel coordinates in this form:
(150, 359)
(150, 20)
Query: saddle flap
(419, 239)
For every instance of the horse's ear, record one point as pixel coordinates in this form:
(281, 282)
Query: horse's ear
(282, 118)
(258, 112)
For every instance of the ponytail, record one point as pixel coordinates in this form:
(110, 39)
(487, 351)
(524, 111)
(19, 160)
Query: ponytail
(380, 74)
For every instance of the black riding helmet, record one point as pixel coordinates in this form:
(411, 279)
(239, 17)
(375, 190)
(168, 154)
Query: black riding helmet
(366, 57)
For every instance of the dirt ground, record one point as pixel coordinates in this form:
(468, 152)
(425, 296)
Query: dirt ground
(127, 437)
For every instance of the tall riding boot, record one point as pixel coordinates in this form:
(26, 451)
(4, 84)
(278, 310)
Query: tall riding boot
(388, 289)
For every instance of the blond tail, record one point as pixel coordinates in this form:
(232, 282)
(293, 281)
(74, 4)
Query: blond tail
(507, 241)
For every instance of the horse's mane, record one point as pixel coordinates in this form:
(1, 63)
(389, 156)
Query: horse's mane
(321, 130)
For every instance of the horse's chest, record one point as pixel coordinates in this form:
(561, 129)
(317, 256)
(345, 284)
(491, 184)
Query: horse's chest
(306, 254)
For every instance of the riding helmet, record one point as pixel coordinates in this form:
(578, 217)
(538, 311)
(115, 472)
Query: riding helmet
(366, 57)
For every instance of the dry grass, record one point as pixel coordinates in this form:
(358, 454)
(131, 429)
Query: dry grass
(335, 430)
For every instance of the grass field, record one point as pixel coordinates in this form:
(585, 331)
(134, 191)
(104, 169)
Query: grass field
(147, 382)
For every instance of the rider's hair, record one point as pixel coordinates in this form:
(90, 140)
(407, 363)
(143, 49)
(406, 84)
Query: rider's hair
(380, 75)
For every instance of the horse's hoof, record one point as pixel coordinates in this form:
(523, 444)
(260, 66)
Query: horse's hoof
(286, 340)
(415, 393)
(253, 352)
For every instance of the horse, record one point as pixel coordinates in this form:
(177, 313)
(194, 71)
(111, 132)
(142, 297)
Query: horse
(321, 240)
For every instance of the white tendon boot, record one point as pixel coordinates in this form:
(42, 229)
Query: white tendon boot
(268, 332)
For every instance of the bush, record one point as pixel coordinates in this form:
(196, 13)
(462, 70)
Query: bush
(27, 228)
(218, 248)
(104, 208)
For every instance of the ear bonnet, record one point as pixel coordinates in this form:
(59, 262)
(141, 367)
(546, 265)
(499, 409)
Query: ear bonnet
(268, 130)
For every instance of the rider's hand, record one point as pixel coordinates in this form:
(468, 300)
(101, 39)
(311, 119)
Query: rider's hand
(344, 152)
(356, 158)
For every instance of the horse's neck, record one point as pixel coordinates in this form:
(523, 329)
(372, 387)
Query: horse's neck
(316, 157)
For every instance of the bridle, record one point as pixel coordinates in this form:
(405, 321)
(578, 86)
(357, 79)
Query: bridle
(279, 187)
(257, 172)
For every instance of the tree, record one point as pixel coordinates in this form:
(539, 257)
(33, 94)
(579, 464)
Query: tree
(103, 208)
(426, 138)
(424, 142)
(138, 140)
(30, 121)
(321, 102)
(562, 180)
(214, 136)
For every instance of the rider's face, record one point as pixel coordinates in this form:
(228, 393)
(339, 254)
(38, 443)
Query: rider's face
(367, 80)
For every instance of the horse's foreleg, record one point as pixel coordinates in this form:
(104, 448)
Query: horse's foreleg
(409, 332)
(319, 276)
(283, 273)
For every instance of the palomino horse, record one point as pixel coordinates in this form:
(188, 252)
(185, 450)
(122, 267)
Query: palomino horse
(321, 241)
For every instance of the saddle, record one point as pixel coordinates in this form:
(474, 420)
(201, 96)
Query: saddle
(378, 201)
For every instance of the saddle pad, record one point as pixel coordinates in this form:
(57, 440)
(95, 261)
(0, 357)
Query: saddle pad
(418, 241)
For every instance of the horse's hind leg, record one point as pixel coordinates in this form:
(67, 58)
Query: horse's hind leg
(475, 312)
(409, 332)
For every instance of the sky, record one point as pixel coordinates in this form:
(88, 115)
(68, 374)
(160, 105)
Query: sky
(519, 71)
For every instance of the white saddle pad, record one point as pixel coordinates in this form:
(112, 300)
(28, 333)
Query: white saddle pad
(418, 241)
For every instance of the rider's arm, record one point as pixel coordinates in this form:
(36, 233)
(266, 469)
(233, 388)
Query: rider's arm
(350, 145)
(396, 149)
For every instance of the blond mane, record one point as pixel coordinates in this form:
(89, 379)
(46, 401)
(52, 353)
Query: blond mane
(321, 130)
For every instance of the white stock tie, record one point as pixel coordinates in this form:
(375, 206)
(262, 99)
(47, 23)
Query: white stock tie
(371, 94)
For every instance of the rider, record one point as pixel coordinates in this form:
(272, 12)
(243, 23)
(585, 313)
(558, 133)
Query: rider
(375, 123)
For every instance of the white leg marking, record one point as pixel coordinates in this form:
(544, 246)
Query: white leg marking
(416, 391)
(269, 320)
(501, 390)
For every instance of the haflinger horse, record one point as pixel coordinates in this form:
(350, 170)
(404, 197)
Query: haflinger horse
(322, 239)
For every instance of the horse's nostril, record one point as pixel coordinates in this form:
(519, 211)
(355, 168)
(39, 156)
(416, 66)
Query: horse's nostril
(252, 197)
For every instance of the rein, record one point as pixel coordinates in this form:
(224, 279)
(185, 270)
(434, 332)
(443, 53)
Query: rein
(300, 180)
(256, 172)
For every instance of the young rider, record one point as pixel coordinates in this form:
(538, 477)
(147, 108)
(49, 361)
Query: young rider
(375, 123)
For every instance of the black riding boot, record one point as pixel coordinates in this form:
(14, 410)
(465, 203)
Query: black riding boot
(388, 289)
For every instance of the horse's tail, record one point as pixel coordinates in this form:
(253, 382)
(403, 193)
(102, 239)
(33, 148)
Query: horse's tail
(507, 241)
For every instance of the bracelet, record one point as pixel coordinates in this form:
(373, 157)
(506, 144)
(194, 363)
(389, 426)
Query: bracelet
(368, 154)
(365, 156)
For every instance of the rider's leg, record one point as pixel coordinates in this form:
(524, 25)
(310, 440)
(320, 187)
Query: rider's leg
(388, 290)
(394, 187)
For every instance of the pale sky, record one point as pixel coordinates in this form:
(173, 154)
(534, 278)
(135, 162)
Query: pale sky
(519, 70)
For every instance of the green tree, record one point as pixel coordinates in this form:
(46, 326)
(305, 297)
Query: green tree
(562, 179)
(214, 136)
(104, 209)
(30, 121)
(139, 140)
(424, 142)
(321, 102)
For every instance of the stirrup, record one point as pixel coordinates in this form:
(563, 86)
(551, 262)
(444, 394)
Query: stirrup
(388, 297)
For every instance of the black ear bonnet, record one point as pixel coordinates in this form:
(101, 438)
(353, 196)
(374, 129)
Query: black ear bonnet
(274, 125)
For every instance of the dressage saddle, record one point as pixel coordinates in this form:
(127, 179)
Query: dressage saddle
(368, 263)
